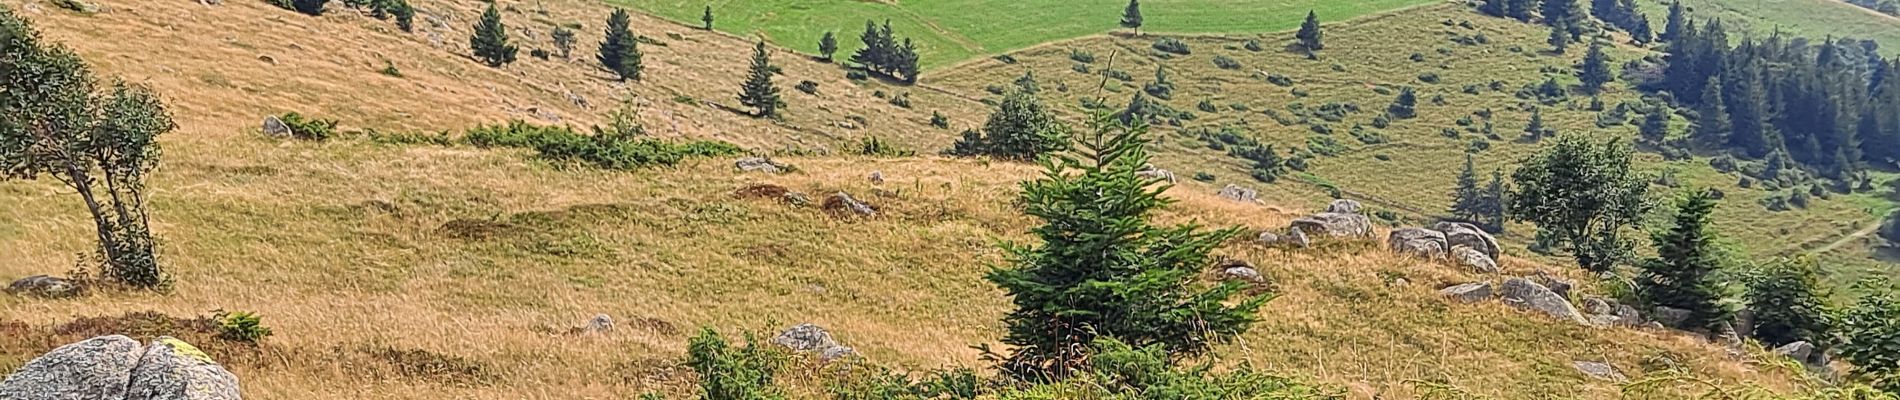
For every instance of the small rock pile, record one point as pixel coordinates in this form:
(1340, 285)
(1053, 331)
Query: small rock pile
(117, 367)
(811, 339)
(1459, 242)
(45, 286)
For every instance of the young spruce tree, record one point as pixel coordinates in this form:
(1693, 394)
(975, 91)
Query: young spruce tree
(1595, 70)
(1131, 16)
(1466, 199)
(707, 18)
(828, 45)
(758, 92)
(490, 42)
(620, 51)
(1310, 36)
(1102, 269)
(1683, 273)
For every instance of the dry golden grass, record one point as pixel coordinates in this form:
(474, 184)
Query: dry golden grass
(367, 259)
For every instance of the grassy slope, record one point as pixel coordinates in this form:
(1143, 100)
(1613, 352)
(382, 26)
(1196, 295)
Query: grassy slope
(1424, 164)
(951, 31)
(1811, 18)
(342, 245)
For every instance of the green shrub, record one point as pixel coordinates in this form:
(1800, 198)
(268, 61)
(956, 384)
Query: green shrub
(516, 133)
(1253, 45)
(241, 326)
(937, 119)
(407, 138)
(727, 372)
(1225, 62)
(603, 149)
(308, 128)
(1172, 46)
(872, 146)
(1081, 56)
(901, 100)
(1120, 371)
(808, 87)
(1203, 176)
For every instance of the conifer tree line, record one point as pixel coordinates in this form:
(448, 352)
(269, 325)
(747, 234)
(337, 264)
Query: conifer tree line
(885, 55)
(1830, 106)
(1567, 16)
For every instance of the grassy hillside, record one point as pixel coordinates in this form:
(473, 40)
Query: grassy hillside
(1811, 18)
(1414, 169)
(951, 31)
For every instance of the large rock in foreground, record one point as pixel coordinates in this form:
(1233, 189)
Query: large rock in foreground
(1417, 242)
(1336, 225)
(1463, 234)
(1474, 259)
(94, 369)
(1524, 294)
(174, 370)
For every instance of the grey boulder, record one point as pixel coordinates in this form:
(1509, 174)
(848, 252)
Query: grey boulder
(45, 286)
(1417, 242)
(1336, 225)
(1344, 206)
(1468, 293)
(1526, 295)
(1240, 194)
(759, 164)
(1474, 259)
(275, 127)
(1463, 234)
(174, 370)
(810, 338)
(1599, 370)
(93, 369)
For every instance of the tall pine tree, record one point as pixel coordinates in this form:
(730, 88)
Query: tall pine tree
(1683, 273)
(1559, 39)
(1495, 8)
(1595, 70)
(1712, 122)
(1522, 10)
(490, 42)
(758, 91)
(1491, 212)
(1655, 126)
(1673, 27)
(1310, 35)
(1101, 268)
(1564, 15)
(707, 18)
(1131, 16)
(619, 51)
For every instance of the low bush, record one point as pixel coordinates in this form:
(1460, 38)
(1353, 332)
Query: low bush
(241, 326)
(562, 144)
(1173, 46)
(309, 128)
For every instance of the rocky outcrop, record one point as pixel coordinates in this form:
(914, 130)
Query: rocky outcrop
(760, 164)
(600, 324)
(275, 127)
(1417, 242)
(812, 339)
(1526, 295)
(117, 367)
(1151, 172)
(1294, 238)
(1474, 259)
(1468, 293)
(1805, 353)
(1343, 206)
(1336, 225)
(45, 286)
(1240, 194)
(842, 203)
(1463, 234)
(1237, 270)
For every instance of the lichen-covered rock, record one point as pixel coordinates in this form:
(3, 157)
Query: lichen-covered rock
(1468, 293)
(1598, 306)
(1343, 206)
(1463, 234)
(1237, 270)
(1292, 238)
(174, 370)
(275, 127)
(1240, 194)
(1151, 172)
(1417, 242)
(93, 369)
(1336, 225)
(1524, 294)
(1474, 259)
(843, 203)
(810, 338)
(45, 286)
(600, 324)
(759, 164)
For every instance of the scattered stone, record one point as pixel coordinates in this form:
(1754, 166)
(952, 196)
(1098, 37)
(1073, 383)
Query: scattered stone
(1560, 285)
(1598, 306)
(1628, 315)
(598, 325)
(1468, 293)
(842, 203)
(1336, 225)
(1669, 316)
(45, 286)
(810, 338)
(1343, 206)
(97, 368)
(275, 127)
(1418, 242)
(174, 370)
(1240, 194)
(877, 177)
(796, 199)
(1463, 234)
(1600, 371)
(1295, 237)
(1151, 172)
(1526, 295)
(759, 164)
(1604, 320)
(1800, 351)
(1239, 270)
(1474, 259)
